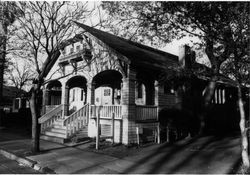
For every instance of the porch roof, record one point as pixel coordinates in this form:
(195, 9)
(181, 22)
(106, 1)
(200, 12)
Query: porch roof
(138, 54)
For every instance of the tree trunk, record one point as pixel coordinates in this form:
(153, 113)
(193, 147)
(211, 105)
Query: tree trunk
(208, 96)
(35, 114)
(3, 40)
(244, 144)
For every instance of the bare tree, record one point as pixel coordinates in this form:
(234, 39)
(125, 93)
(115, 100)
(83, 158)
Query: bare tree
(44, 29)
(20, 75)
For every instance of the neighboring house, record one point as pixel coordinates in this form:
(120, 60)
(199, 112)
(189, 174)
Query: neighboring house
(14, 99)
(105, 75)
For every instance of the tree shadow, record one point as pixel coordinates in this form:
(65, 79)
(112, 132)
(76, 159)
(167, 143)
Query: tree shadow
(211, 152)
(175, 150)
(168, 158)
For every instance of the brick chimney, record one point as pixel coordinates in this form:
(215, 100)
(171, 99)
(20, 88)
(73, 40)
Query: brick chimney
(186, 56)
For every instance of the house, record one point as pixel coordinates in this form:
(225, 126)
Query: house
(13, 99)
(109, 80)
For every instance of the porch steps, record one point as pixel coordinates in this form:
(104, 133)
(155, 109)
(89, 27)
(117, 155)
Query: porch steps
(55, 133)
(58, 133)
(54, 139)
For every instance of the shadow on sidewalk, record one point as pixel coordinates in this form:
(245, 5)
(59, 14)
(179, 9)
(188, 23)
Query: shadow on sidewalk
(180, 158)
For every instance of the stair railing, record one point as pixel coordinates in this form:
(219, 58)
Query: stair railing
(48, 119)
(77, 120)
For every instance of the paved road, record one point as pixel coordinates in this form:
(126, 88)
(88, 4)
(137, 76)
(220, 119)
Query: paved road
(8, 166)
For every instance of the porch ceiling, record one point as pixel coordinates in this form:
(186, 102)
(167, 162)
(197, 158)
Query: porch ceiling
(111, 78)
(77, 81)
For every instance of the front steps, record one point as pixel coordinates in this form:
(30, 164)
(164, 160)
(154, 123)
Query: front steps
(58, 133)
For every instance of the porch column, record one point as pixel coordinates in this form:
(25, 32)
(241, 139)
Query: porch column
(159, 102)
(45, 100)
(65, 99)
(159, 94)
(91, 101)
(91, 93)
(128, 108)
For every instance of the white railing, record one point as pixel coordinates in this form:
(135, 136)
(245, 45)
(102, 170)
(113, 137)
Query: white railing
(48, 119)
(49, 108)
(146, 112)
(76, 120)
(106, 112)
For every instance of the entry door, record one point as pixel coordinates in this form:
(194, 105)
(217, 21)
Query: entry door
(103, 96)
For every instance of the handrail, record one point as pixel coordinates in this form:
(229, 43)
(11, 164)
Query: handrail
(76, 120)
(50, 114)
(48, 119)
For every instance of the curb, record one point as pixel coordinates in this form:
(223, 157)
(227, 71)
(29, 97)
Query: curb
(27, 162)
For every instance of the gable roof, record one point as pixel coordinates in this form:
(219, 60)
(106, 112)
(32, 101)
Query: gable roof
(138, 54)
(145, 56)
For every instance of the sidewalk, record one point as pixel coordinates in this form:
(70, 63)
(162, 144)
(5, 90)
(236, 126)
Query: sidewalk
(210, 155)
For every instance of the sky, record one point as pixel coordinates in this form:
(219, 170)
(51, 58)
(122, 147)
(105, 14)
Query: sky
(172, 47)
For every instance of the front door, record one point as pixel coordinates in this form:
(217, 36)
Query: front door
(103, 96)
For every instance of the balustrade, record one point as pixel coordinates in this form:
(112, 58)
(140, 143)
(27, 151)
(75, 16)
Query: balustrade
(48, 119)
(76, 120)
(106, 111)
(146, 112)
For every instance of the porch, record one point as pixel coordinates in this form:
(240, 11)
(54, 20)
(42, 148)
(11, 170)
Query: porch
(61, 128)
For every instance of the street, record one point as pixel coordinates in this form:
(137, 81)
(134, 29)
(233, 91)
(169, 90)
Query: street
(8, 166)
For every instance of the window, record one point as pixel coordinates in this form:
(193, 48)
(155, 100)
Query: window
(77, 48)
(71, 50)
(82, 93)
(73, 95)
(106, 92)
(139, 90)
(64, 51)
(16, 103)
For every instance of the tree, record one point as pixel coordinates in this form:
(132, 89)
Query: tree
(217, 24)
(237, 66)
(20, 75)
(8, 13)
(44, 29)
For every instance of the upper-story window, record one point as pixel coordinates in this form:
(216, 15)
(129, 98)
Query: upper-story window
(71, 50)
(77, 48)
(64, 51)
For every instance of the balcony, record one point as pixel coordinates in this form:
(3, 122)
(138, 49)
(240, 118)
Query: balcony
(75, 56)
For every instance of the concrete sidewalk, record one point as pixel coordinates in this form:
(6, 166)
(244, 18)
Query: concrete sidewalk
(210, 155)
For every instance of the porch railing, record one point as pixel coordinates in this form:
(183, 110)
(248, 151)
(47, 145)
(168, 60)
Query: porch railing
(76, 120)
(146, 112)
(48, 119)
(106, 111)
